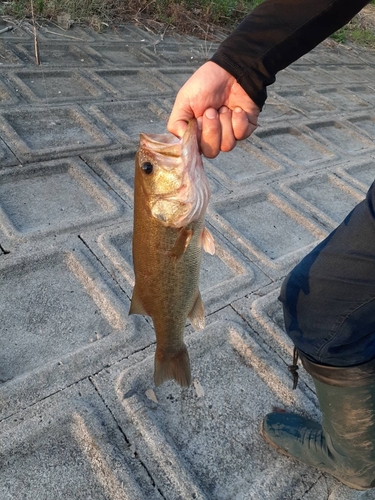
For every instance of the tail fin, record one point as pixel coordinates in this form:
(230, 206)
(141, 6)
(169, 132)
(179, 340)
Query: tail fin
(172, 366)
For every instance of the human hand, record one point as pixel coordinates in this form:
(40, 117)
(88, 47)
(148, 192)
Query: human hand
(225, 113)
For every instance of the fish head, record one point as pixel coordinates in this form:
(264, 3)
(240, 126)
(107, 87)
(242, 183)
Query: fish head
(172, 178)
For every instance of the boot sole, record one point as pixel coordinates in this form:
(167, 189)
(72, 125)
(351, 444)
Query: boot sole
(286, 454)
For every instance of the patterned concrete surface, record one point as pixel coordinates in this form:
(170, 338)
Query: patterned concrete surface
(79, 415)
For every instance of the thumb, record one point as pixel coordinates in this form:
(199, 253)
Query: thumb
(177, 127)
(180, 116)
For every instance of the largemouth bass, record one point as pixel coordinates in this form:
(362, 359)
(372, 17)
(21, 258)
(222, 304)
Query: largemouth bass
(171, 194)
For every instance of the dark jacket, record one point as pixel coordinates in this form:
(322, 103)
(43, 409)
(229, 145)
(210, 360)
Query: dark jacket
(275, 34)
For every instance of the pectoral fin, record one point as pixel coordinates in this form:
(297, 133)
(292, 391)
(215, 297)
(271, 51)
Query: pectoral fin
(196, 315)
(208, 241)
(181, 243)
(136, 306)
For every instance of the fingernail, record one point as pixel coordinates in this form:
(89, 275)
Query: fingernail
(223, 109)
(211, 113)
(238, 110)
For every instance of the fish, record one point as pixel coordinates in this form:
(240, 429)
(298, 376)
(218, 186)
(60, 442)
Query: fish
(171, 195)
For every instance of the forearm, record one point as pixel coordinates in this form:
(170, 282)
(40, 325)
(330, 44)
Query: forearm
(277, 33)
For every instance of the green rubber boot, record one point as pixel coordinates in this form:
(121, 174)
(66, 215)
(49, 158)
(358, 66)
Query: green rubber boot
(344, 444)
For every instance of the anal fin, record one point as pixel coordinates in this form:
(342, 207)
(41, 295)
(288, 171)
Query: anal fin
(136, 306)
(196, 315)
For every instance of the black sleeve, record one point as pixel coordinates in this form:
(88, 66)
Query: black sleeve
(275, 34)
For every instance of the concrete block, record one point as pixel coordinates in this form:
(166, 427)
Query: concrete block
(60, 286)
(342, 99)
(349, 54)
(336, 54)
(246, 165)
(131, 83)
(346, 73)
(364, 123)
(287, 77)
(7, 96)
(265, 315)
(176, 76)
(193, 441)
(325, 196)
(7, 158)
(306, 101)
(360, 174)
(330, 489)
(124, 55)
(227, 275)
(70, 446)
(274, 110)
(365, 56)
(50, 132)
(127, 119)
(294, 146)
(364, 92)
(8, 57)
(217, 187)
(315, 75)
(63, 318)
(54, 197)
(366, 71)
(58, 54)
(341, 136)
(266, 228)
(55, 86)
(183, 53)
(116, 168)
(125, 32)
(113, 247)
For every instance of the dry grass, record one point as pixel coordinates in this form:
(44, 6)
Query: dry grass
(360, 30)
(199, 18)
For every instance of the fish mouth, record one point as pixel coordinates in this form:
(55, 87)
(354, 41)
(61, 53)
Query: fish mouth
(161, 144)
(169, 144)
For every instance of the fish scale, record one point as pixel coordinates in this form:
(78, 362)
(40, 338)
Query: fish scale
(166, 257)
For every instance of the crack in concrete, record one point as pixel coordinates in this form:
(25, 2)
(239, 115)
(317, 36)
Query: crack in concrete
(136, 455)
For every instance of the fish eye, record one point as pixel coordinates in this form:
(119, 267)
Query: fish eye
(147, 167)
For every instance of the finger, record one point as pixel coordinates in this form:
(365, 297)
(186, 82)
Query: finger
(180, 116)
(211, 133)
(228, 141)
(243, 124)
